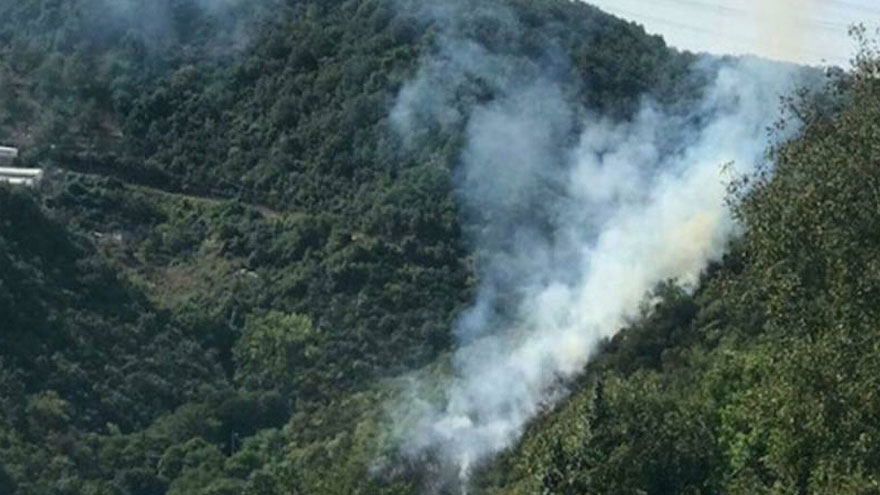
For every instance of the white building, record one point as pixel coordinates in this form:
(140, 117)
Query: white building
(13, 175)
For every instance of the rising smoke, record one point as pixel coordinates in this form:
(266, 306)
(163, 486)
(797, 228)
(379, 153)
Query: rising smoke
(221, 25)
(576, 217)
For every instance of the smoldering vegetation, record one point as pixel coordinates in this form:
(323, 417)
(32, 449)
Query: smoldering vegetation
(575, 215)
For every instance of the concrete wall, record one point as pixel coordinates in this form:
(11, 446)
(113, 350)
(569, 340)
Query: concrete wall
(25, 173)
(13, 175)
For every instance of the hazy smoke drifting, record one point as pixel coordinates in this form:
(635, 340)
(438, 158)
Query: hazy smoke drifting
(222, 24)
(571, 232)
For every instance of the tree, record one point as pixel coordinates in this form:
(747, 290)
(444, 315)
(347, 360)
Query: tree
(276, 351)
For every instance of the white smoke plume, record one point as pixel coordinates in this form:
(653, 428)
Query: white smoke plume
(571, 234)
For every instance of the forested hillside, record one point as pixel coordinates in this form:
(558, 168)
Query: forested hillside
(764, 380)
(233, 258)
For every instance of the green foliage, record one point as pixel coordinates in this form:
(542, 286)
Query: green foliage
(766, 380)
(278, 350)
(233, 251)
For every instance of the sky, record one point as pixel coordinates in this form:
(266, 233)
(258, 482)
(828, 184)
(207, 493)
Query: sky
(804, 31)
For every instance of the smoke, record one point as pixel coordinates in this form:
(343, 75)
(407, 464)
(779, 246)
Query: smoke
(575, 217)
(221, 25)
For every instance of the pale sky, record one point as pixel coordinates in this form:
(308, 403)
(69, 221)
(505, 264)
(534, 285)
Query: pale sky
(805, 31)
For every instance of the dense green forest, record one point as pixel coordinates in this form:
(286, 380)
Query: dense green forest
(233, 258)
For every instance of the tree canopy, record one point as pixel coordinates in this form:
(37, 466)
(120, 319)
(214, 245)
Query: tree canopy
(233, 255)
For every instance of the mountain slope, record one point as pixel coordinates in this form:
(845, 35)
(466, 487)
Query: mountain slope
(234, 255)
(227, 193)
(763, 381)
